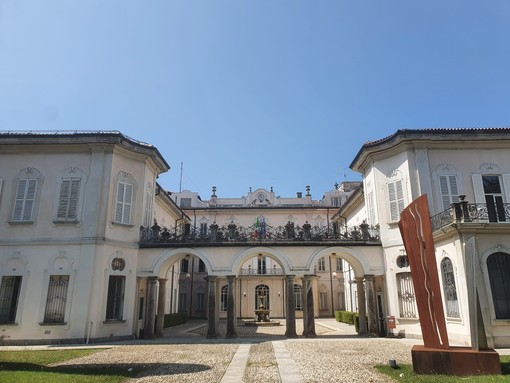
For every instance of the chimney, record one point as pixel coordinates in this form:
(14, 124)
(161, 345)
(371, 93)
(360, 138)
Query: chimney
(299, 195)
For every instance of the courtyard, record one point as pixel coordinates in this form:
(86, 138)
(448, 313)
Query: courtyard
(259, 354)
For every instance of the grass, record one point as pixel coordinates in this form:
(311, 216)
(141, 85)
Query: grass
(404, 373)
(36, 366)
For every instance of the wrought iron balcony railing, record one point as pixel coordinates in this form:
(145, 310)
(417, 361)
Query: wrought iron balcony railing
(186, 234)
(471, 212)
(262, 271)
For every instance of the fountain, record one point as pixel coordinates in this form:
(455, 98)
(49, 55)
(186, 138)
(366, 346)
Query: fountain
(262, 317)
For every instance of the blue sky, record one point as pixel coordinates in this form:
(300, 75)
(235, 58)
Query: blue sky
(254, 93)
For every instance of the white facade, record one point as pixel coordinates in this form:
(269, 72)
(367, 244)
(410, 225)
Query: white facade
(445, 164)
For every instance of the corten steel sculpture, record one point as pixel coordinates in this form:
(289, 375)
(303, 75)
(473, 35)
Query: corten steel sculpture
(435, 356)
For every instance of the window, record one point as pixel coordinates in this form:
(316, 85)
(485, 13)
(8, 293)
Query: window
(262, 296)
(9, 295)
(147, 216)
(56, 299)
(25, 198)
(123, 203)
(322, 264)
(261, 265)
(28, 187)
(323, 300)
(396, 199)
(449, 289)
(200, 302)
(184, 265)
(201, 266)
(498, 266)
(223, 298)
(493, 198)
(298, 295)
(449, 190)
(203, 229)
(406, 296)
(68, 199)
(183, 302)
(115, 302)
(339, 264)
(370, 207)
(185, 203)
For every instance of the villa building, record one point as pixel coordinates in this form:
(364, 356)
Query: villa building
(92, 248)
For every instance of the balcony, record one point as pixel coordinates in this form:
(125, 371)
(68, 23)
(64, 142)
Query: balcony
(471, 212)
(231, 234)
(262, 271)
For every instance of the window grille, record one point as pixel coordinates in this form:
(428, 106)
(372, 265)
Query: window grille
(56, 299)
(223, 298)
(298, 294)
(406, 296)
(450, 289)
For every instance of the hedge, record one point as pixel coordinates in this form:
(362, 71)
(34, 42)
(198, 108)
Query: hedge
(348, 317)
(175, 319)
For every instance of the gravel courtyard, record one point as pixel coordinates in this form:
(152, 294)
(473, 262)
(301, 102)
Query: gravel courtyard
(185, 355)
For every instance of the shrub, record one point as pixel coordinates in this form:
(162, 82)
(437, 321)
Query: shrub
(345, 316)
(175, 319)
(356, 322)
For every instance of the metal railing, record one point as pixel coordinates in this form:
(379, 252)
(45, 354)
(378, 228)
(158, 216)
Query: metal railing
(471, 212)
(261, 233)
(262, 271)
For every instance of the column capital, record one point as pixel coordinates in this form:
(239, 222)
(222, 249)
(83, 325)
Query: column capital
(153, 279)
(369, 277)
(290, 277)
(211, 278)
(231, 277)
(162, 280)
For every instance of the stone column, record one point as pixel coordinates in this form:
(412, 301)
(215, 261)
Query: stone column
(290, 318)
(151, 308)
(308, 309)
(160, 317)
(211, 309)
(372, 308)
(231, 314)
(361, 306)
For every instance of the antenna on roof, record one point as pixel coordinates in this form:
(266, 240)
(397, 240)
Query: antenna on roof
(180, 181)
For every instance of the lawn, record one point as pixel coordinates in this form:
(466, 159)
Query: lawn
(404, 373)
(36, 366)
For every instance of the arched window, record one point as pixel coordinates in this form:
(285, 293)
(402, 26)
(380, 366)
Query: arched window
(498, 266)
(223, 298)
(262, 296)
(298, 294)
(450, 289)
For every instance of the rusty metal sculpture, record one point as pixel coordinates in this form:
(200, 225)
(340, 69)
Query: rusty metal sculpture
(435, 356)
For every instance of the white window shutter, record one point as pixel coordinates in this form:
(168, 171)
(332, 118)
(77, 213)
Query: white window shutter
(119, 202)
(478, 188)
(63, 200)
(74, 199)
(506, 186)
(127, 204)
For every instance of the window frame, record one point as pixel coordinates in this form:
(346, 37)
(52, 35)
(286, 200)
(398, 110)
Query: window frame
(124, 211)
(13, 298)
(60, 308)
(115, 298)
(31, 175)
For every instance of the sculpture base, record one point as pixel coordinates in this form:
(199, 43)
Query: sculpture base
(457, 361)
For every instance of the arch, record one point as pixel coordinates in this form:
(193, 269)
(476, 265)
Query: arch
(358, 264)
(498, 271)
(246, 254)
(169, 257)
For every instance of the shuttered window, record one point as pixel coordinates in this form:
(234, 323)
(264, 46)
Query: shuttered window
(56, 299)
(396, 199)
(123, 203)
(449, 190)
(25, 199)
(68, 199)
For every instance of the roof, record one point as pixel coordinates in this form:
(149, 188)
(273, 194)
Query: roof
(90, 136)
(442, 133)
